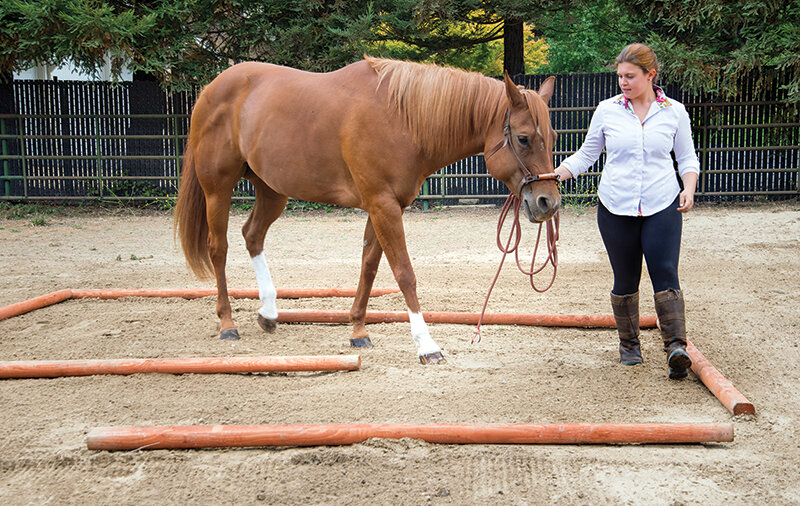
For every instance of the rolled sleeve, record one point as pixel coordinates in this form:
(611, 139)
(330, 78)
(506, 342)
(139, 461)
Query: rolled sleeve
(684, 145)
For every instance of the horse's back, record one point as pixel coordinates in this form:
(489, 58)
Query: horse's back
(271, 82)
(306, 134)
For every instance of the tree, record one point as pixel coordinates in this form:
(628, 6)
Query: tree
(182, 42)
(485, 57)
(704, 45)
(448, 27)
(189, 41)
(589, 38)
(710, 44)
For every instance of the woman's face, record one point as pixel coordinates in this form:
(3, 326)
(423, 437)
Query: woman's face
(633, 81)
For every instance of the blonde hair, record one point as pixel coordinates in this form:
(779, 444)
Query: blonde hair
(440, 105)
(640, 55)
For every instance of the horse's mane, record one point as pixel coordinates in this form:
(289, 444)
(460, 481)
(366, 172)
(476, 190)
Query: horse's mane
(441, 106)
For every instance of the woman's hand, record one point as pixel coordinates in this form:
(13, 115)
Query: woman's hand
(563, 173)
(686, 201)
(686, 198)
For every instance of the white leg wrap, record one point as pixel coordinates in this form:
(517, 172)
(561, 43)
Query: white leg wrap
(421, 336)
(266, 290)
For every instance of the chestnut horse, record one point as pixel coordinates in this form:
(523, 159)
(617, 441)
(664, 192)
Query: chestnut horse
(364, 136)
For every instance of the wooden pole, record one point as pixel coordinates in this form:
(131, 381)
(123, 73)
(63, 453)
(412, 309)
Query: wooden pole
(728, 395)
(219, 436)
(35, 303)
(283, 293)
(202, 365)
(547, 320)
(196, 293)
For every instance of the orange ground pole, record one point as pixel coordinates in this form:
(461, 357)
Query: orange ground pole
(191, 293)
(197, 365)
(728, 395)
(283, 293)
(219, 436)
(545, 320)
(29, 305)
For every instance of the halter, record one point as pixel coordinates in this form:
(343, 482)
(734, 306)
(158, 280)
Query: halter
(528, 177)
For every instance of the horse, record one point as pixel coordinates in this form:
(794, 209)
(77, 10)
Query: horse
(364, 136)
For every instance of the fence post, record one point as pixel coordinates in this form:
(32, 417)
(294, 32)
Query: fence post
(7, 106)
(705, 154)
(98, 157)
(441, 185)
(6, 172)
(177, 182)
(23, 153)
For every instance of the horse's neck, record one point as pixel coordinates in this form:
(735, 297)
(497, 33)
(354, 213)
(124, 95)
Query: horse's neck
(487, 119)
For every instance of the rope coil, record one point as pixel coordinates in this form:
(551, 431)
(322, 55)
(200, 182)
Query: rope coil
(515, 236)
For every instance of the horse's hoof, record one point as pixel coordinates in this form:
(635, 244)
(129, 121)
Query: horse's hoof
(267, 325)
(361, 342)
(229, 335)
(432, 358)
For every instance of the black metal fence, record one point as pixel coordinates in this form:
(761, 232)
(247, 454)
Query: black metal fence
(76, 140)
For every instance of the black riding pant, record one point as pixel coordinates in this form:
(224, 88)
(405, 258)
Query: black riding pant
(628, 238)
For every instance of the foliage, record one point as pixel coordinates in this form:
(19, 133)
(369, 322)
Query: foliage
(184, 42)
(708, 45)
(704, 45)
(188, 42)
(583, 194)
(587, 39)
(483, 57)
(157, 197)
(294, 206)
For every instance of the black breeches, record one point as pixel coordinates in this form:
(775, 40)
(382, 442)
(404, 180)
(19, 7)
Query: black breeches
(628, 238)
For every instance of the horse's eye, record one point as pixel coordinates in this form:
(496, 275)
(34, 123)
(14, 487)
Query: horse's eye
(523, 140)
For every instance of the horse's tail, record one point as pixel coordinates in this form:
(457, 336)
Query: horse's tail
(189, 220)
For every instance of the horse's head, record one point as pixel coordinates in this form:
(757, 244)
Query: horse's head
(519, 150)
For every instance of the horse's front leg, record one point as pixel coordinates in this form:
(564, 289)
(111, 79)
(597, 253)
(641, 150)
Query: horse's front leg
(387, 221)
(370, 260)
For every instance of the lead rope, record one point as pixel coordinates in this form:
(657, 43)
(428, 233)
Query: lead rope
(512, 202)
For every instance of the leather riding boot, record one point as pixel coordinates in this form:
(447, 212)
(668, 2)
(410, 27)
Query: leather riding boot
(626, 314)
(672, 318)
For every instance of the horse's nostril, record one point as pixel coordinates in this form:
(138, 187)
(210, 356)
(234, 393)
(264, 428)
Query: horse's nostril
(544, 203)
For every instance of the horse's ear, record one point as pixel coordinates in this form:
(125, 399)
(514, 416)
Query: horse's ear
(546, 89)
(514, 94)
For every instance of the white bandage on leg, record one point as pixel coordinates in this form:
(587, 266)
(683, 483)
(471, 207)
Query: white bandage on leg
(266, 290)
(420, 334)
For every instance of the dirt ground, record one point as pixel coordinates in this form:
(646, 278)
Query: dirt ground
(739, 272)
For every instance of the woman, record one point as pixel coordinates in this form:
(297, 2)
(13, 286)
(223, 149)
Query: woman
(641, 200)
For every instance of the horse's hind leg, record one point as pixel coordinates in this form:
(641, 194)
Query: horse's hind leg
(370, 260)
(217, 211)
(269, 205)
(218, 171)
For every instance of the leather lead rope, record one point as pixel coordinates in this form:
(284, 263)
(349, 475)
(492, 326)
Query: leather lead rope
(515, 235)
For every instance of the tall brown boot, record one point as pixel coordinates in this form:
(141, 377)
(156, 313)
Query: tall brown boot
(626, 314)
(672, 317)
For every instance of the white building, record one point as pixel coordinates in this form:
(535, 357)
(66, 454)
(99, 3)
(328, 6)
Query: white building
(67, 72)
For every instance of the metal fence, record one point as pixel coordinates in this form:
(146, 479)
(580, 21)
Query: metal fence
(83, 141)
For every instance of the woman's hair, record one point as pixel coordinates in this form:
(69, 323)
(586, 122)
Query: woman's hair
(640, 55)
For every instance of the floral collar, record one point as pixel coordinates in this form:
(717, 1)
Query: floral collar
(661, 100)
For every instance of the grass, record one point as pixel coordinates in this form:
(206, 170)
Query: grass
(576, 200)
(36, 214)
(161, 198)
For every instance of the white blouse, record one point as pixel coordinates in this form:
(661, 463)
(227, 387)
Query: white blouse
(638, 177)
